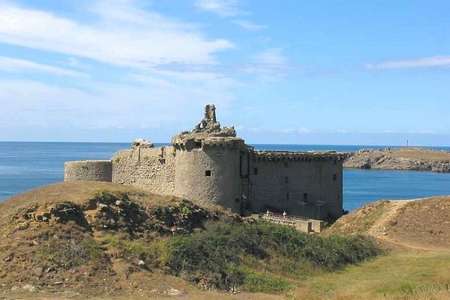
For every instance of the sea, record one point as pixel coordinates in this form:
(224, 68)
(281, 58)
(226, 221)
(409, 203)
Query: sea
(27, 165)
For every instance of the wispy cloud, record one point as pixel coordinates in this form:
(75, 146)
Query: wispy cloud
(148, 105)
(426, 62)
(229, 9)
(272, 57)
(167, 68)
(122, 34)
(249, 25)
(270, 64)
(223, 8)
(14, 65)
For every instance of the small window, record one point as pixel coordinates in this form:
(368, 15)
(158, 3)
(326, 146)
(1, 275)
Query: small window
(286, 179)
(287, 196)
(305, 196)
(334, 177)
(255, 171)
(208, 173)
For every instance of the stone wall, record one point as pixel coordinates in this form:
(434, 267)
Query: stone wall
(209, 175)
(150, 168)
(88, 170)
(305, 187)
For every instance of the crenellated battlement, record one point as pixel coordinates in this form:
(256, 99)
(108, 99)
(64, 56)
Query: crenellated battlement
(296, 156)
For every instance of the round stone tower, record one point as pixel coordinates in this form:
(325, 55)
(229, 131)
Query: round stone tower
(88, 170)
(208, 163)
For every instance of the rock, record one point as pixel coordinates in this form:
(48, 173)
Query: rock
(173, 292)
(38, 271)
(8, 258)
(142, 143)
(30, 288)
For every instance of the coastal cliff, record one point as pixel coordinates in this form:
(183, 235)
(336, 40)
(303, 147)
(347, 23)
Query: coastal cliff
(400, 159)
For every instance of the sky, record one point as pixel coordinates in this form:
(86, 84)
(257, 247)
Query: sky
(286, 72)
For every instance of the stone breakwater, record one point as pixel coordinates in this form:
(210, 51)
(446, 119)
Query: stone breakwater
(400, 159)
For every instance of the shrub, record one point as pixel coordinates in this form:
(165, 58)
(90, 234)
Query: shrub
(214, 256)
(69, 253)
(152, 252)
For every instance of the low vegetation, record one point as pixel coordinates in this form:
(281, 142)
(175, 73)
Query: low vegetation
(216, 256)
(127, 244)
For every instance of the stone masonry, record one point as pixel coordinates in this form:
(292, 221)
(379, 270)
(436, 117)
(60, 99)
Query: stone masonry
(212, 164)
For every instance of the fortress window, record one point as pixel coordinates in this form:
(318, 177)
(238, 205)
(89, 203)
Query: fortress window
(287, 196)
(286, 179)
(305, 196)
(334, 177)
(255, 171)
(208, 173)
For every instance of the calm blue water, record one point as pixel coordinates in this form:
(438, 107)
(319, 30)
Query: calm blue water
(27, 165)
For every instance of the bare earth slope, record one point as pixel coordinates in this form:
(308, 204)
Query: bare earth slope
(53, 242)
(400, 159)
(420, 224)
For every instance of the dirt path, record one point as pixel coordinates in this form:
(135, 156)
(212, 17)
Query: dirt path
(380, 230)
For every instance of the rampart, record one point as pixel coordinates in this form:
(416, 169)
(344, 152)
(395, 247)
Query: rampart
(89, 170)
(301, 183)
(150, 168)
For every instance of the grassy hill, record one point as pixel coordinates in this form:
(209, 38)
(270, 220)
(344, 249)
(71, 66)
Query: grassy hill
(103, 241)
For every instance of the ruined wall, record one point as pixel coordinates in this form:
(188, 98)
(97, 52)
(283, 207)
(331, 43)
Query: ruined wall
(209, 175)
(88, 170)
(306, 187)
(150, 168)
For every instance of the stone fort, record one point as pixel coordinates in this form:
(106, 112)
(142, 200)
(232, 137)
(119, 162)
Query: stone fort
(212, 164)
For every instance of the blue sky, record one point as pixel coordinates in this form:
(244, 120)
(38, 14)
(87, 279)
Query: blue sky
(301, 72)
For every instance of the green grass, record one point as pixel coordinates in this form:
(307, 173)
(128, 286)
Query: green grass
(152, 252)
(265, 283)
(399, 275)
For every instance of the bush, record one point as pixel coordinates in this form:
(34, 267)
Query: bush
(69, 253)
(214, 257)
(264, 283)
(152, 252)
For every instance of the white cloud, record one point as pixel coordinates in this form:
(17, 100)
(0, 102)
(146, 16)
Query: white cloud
(122, 34)
(20, 65)
(144, 101)
(269, 64)
(223, 8)
(249, 25)
(272, 57)
(426, 62)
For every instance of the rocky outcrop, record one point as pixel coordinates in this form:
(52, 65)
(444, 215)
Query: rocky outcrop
(400, 159)
(207, 131)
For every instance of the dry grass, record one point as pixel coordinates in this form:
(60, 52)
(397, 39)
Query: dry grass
(399, 275)
(420, 154)
(419, 224)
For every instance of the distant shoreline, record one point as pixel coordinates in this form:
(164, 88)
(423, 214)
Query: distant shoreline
(415, 159)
